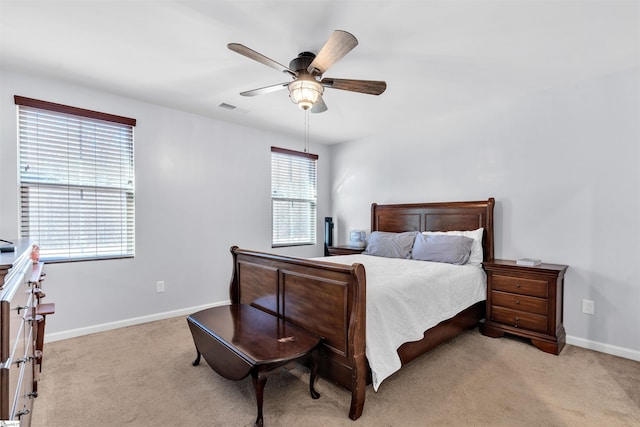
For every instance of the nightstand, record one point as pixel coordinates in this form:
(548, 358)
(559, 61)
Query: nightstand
(344, 250)
(525, 301)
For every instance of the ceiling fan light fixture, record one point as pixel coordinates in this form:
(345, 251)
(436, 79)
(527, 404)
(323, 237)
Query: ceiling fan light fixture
(307, 70)
(305, 92)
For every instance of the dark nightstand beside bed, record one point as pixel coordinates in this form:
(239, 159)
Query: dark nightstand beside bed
(526, 301)
(344, 250)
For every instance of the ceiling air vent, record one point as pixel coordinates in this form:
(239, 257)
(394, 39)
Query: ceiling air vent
(227, 106)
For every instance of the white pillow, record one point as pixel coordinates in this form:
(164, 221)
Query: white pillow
(476, 256)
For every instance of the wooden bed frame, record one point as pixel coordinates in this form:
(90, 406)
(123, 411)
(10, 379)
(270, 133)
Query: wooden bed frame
(330, 299)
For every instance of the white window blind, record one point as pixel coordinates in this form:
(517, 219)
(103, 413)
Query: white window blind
(76, 181)
(293, 197)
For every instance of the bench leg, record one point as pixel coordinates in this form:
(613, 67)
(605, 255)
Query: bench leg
(314, 375)
(197, 361)
(258, 383)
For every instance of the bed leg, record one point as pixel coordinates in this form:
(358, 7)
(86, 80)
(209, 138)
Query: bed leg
(358, 386)
(357, 404)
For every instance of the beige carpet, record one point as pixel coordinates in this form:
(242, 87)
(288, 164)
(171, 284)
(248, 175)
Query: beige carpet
(142, 376)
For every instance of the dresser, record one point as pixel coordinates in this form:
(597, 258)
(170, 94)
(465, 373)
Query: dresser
(526, 301)
(20, 321)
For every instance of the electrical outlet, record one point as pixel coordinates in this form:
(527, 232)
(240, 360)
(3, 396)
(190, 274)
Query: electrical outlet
(587, 306)
(160, 286)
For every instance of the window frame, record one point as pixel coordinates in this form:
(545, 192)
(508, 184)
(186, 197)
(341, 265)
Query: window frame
(125, 193)
(311, 200)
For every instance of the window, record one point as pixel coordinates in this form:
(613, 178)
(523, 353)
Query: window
(293, 197)
(76, 181)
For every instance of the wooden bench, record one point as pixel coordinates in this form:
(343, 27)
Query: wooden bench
(237, 340)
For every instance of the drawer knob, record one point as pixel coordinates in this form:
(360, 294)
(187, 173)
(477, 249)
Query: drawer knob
(24, 360)
(517, 301)
(517, 318)
(25, 411)
(21, 361)
(21, 307)
(517, 285)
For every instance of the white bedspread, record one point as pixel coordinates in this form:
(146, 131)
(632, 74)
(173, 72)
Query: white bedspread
(407, 297)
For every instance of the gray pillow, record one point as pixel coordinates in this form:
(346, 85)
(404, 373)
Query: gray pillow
(391, 245)
(442, 248)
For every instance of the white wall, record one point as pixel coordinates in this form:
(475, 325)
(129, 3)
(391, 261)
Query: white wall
(564, 167)
(201, 187)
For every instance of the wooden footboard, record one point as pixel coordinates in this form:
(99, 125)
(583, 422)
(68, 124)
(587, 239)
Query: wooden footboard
(324, 298)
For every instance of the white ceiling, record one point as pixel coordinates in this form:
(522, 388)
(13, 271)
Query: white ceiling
(439, 58)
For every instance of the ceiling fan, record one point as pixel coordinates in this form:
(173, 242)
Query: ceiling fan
(307, 69)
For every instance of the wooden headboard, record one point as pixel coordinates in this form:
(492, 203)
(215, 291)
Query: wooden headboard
(441, 216)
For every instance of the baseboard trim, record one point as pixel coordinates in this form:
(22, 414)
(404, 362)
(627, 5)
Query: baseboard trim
(627, 353)
(72, 333)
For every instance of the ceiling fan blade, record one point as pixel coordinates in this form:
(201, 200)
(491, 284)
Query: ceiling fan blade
(252, 54)
(319, 106)
(339, 44)
(266, 89)
(372, 87)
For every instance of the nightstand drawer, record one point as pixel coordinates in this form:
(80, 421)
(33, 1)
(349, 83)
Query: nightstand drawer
(518, 285)
(519, 302)
(519, 319)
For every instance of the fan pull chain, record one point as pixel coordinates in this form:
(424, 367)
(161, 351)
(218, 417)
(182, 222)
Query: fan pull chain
(306, 130)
